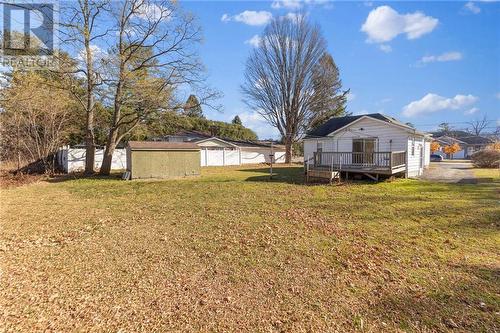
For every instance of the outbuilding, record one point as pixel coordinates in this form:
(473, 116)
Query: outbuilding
(217, 151)
(148, 159)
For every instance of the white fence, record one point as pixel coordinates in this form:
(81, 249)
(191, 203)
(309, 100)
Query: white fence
(223, 157)
(73, 159)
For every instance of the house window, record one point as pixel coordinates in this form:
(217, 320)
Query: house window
(363, 150)
(363, 145)
(413, 147)
(319, 147)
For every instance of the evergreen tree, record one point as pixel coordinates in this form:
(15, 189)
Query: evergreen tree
(192, 107)
(326, 79)
(237, 120)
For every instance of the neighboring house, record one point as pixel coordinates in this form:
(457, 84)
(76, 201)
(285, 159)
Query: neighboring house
(468, 143)
(370, 144)
(217, 151)
(449, 141)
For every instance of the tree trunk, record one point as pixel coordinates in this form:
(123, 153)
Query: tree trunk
(89, 132)
(107, 159)
(288, 151)
(89, 144)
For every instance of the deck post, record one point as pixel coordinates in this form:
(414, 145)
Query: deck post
(307, 170)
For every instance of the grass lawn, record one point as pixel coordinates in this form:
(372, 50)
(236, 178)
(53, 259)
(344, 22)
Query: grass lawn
(232, 251)
(488, 174)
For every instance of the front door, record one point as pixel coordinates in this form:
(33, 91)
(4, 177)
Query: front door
(363, 150)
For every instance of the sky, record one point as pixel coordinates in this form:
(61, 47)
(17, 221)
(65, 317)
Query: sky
(420, 62)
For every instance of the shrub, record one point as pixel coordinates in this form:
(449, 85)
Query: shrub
(487, 158)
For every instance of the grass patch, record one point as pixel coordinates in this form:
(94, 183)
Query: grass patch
(485, 175)
(233, 250)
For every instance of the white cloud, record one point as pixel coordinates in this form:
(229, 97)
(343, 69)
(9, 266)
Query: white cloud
(254, 41)
(96, 51)
(351, 96)
(153, 11)
(448, 56)
(249, 17)
(433, 103)
(384, 23)
(471, 6)
(368, 3)
(385, 48)
(288, 4)
(471, 111)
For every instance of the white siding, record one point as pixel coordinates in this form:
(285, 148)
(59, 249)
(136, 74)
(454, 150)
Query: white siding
(427, 152)
(415, 159)
(389, 138)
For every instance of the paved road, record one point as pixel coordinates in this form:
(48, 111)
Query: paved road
(450, 172)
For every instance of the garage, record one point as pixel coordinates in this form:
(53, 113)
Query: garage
(147, 159)
(219, 152)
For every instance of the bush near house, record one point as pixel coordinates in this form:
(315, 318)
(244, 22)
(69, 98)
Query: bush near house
(487, 158)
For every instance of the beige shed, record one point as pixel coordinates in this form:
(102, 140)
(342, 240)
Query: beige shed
(149, 159)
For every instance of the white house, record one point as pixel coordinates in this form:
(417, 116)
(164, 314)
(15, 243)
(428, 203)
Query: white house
(217, 151)
(371, 144)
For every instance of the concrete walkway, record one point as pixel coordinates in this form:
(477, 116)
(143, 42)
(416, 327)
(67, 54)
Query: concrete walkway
(450, 172)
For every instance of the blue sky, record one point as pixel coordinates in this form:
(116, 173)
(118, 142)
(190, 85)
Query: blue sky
(421, 62)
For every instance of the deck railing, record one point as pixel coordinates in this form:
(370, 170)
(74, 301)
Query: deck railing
(355, 160)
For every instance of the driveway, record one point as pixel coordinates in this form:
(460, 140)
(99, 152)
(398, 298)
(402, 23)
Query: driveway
(450, 172)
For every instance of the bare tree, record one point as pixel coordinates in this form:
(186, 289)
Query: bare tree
(36, 118)
(279, 77)
(81, 28)
(477, 126)
(156, 43)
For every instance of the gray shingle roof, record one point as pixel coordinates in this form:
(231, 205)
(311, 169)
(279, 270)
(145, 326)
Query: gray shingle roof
(162, 145)
(336, 123)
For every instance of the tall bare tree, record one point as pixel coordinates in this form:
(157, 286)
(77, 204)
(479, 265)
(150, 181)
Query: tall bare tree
(280, 77)
(81, 28)
(155, 39)
(477, 126)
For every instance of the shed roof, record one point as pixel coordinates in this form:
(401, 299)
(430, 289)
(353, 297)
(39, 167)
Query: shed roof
(162, 145)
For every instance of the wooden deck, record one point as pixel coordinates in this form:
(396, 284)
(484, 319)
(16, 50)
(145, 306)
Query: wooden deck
(330, 165)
